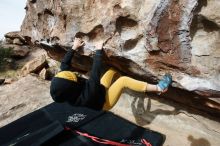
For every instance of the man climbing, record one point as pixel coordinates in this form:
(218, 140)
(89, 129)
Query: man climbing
(98, 92)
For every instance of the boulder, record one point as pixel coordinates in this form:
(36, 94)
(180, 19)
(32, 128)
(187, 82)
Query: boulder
(52, 71)
(53, 68)
(17, 51)
(15, 35)
(34, 66)
(143, 38)
(20, 51)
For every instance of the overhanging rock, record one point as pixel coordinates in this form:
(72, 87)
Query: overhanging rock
(145, 39)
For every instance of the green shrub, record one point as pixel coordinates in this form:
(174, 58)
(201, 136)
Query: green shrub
(4, 54)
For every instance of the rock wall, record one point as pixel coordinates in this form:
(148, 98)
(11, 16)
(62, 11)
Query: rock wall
(144, 39)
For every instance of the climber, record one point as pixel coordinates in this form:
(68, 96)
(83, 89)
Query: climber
(97, 92)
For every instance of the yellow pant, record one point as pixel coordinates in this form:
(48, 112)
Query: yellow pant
(114, 90)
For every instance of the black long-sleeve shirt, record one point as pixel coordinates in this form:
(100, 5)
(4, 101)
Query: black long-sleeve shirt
(93, 93)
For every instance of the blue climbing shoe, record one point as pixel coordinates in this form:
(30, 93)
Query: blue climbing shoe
(165, 82)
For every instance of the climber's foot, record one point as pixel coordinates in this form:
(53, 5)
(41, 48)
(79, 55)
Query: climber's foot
(164, 83)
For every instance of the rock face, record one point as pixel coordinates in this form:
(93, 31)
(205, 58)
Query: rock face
(144, 39)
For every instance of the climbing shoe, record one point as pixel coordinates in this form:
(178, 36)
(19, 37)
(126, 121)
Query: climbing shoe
(165, 82)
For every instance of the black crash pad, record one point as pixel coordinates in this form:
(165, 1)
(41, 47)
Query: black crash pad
(65, 125)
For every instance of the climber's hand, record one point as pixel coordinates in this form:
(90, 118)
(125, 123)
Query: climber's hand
(77, 43)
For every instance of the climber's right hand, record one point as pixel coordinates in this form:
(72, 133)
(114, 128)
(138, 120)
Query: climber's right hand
(77, 43)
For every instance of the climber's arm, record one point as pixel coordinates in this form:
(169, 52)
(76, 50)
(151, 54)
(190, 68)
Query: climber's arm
(97, 65)
(66, 61)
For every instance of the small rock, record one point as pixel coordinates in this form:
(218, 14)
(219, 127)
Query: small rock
(34, 66)
(8, 81)
(2, 81)
(44, 74)
(53, 63)
(17, 41)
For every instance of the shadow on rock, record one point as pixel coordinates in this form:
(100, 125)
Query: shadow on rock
(145, 114)
(198, 142)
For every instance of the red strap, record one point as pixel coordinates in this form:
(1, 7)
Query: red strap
(144, 141)
(104, 141)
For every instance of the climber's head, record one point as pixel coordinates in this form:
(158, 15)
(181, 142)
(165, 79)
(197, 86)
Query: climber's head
(64, 87)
